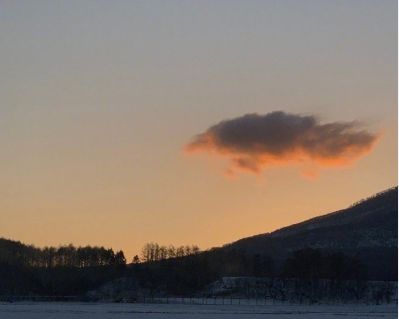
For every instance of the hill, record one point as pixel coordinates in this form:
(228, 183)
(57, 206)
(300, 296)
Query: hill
(366, 230)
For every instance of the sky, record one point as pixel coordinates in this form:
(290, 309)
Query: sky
(191, 122)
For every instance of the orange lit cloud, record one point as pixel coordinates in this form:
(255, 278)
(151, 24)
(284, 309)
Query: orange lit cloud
(255, 142)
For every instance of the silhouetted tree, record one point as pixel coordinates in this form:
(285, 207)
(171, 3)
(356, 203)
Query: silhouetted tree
(120, 258)
(136, 259)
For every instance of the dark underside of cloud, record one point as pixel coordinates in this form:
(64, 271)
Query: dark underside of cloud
(254, 142)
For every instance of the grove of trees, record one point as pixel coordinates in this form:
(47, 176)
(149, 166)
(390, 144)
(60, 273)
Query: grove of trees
(155, 252)
(16, 253)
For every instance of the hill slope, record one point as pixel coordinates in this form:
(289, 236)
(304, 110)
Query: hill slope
(367, 230)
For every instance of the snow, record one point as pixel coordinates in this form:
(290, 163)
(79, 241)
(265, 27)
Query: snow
(41, 310)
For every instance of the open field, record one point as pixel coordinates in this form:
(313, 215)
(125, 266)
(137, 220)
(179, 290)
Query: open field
(25, 310)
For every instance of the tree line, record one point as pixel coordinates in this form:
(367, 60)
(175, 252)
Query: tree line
(16, 253)
(155, 252)
(182, 270)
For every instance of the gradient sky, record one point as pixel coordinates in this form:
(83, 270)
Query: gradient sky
(99, 98)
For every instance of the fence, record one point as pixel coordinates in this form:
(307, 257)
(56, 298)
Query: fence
(208, 300)
(7, 298)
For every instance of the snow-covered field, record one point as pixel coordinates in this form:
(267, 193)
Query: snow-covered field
(25, 310)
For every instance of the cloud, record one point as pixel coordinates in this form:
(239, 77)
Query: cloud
(255, 142)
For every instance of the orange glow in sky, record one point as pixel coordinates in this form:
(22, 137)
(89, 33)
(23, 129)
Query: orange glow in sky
(98, 99)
